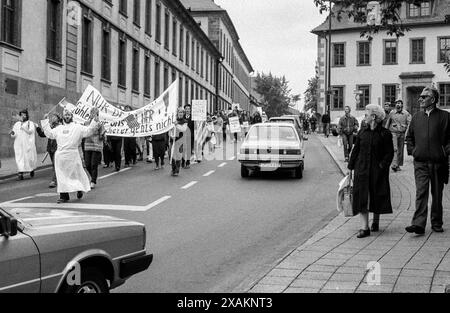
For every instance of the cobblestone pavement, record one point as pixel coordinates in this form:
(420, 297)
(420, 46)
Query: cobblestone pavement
(334, 260)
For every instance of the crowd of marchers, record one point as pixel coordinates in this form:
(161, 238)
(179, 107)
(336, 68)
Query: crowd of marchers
(76, 151)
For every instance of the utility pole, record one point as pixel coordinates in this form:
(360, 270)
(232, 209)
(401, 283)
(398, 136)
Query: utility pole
(329, 93)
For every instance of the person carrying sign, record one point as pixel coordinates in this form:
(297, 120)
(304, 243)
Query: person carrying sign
(68, 165)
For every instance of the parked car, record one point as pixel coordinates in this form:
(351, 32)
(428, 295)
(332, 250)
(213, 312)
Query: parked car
(46, 251)
(270, 147)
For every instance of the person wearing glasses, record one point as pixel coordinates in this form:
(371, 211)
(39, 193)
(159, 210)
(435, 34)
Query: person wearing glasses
(428, 141)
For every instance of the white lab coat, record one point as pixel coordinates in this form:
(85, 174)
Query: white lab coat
(25, 146)
(69, 170)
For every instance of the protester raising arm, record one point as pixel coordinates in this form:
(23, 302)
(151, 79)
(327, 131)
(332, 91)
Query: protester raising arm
(48, 131)
(88, 131)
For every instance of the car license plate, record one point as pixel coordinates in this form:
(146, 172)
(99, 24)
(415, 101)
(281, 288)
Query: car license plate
(269, 165)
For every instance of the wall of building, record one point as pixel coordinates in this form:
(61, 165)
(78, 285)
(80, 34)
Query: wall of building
(42, 83)
(377, 74)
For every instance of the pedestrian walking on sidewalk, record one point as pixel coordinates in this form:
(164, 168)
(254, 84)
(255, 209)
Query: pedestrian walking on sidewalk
(69, 169)
(428, 141)
(24, 134)
(326, 120)
(370, 160)
(347, 128)
(178, 141)
(397, 123)
(93, 147)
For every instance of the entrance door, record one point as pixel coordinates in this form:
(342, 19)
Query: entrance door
(413, 99)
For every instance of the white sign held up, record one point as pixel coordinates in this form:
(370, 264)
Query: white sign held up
(199, 110)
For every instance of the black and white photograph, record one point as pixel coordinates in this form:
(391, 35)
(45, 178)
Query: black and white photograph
(225, 153)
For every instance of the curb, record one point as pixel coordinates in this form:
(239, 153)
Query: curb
(9, 176)
(334, 157)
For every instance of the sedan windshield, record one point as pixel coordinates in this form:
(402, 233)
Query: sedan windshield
(272, 133)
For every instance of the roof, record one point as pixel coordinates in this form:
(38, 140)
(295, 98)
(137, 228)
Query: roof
(440, 9)
(208, 7)
(201, 5)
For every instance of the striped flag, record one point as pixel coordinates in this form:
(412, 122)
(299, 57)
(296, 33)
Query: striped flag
(131, 121)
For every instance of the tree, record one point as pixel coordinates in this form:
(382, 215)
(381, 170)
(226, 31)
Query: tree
(312, 94)
(391, 21)
(275, 94)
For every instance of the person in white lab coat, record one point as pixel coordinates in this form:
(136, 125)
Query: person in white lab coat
(68, 165)
(24, 134)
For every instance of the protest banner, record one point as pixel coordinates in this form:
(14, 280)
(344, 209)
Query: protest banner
(153, 119)
(199, 110)
(235, 126)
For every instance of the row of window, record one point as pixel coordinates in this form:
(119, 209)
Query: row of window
(390, 52)
(389, 95)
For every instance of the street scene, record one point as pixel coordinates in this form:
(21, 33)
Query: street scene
(182, 147)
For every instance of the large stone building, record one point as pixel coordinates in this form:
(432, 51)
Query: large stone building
(129, 50)
(235, 68)
(386, 68)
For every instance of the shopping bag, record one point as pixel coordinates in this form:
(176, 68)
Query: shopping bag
(344, 196)
(339, 142)
(213, 139)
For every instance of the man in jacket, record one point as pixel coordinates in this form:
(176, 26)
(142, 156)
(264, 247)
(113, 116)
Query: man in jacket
(398, 122)
(348, 126)
(428, 141)
(326, 124)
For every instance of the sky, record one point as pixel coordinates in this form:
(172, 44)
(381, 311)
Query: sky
(276, 36)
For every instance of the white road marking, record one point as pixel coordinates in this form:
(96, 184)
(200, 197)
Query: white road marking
(189, 185)
(157, 202)
(76, 206)
(209, 173)
(112, 174)
(16, 200)
(223, 164)
(232, 158)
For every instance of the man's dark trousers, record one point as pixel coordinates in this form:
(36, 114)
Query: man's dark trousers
(116, 147)
(347, 141)
(427, 173)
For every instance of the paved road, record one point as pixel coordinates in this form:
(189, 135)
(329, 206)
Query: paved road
(220, 232)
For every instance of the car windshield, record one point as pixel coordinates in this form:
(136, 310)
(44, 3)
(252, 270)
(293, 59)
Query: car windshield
(272, 133)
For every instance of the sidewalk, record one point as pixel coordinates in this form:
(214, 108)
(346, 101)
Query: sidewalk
(9, 167)
(334, 260)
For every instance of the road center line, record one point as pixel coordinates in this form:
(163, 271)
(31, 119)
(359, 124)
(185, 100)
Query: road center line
(209, 173)
(189, 185)
(112, 174)
(223, 164)
(157, 202)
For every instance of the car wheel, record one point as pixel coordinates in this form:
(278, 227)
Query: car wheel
(92, 281)
(299, 172)
(244, 172)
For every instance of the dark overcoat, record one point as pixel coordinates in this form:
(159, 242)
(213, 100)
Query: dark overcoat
(370, 159)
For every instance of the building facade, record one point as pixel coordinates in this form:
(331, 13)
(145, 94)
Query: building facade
(130, 50)
(235, 69)
(386, 68)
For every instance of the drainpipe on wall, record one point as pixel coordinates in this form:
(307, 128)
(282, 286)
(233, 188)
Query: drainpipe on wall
(219, 61)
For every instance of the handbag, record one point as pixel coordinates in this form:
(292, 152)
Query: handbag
(345, 196)
(339, 142)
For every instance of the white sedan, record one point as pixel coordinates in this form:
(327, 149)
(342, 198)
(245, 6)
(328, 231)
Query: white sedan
(270, 147)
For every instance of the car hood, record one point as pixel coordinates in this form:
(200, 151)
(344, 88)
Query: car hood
(37, 218)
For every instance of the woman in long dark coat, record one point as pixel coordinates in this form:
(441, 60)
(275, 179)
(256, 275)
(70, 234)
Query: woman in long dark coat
(370, 160)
